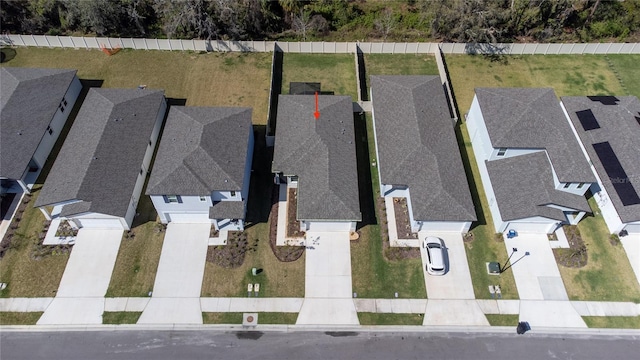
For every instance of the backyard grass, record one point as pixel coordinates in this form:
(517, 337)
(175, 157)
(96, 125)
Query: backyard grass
(566, 74)
(608, 275)
(19, 318)
(627, 69)
(399, 64)
(335, 72)
(26, 276)
(209, 79)
(502, 320)
(372, 275)
(615, 322)
(389, 319)
(120, 317)
(135, 270)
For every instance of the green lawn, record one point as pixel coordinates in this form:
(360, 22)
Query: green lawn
(502, 320)
(399, 64)
(566, 74)
(608, 275)
(211, 79)
(236, 318)
(335, 72)
(627, 68)
(120, 317)
(389, 319)
(615, 322)
(19, 318)
(372, 275)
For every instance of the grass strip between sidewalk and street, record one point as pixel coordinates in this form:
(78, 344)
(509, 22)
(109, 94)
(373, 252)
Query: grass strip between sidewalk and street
(120, 317)
(612, 322)
(366, 318)
(19, 318)
(272, 318)
(502, 319)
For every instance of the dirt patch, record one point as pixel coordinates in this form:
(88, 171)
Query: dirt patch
(391, 253)
(282, 253)
(576, 255)
(468, 237)
(293, 226)
(213, 232)
(232, 255)
(403, 225)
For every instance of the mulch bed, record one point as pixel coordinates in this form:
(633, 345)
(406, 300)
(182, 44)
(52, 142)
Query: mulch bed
(232, 255)
(282, 253)
(65, 229)
(403, 225)
(391, 253)
(576, 255)
(293, 226)
(9, 235)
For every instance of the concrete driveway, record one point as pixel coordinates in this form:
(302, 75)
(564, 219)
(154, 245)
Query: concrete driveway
(80, 296)
(328, 290)
(176, 291)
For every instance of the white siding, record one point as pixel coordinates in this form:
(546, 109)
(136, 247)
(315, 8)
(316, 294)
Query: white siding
(190, 205)
(511, 152)
(633, 228)
(226, 196)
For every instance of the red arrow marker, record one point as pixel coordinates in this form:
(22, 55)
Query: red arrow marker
(316, 114)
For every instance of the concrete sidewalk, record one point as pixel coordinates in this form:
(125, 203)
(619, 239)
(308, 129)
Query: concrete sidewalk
(80, 296)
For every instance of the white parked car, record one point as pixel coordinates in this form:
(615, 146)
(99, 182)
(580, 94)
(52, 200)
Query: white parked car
(436, 256)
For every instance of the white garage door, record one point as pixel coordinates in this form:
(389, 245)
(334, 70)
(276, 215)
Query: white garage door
(100, 223)
(537, 228)
(633, 229)
(183, 218)
(443, 226)
(330, 226)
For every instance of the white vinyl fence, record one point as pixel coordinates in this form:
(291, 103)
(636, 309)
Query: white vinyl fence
(316, 47)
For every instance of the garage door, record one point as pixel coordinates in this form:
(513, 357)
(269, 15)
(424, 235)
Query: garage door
(538, 228)
(99, 223)
(183, 218)
(633, 229)
(443, 226)
(330, 226)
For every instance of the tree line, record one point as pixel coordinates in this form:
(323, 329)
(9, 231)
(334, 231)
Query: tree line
(330, 20)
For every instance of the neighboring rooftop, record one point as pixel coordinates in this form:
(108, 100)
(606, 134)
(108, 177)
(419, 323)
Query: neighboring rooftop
(609, 128)
(102, 156)
(29, 99)
(202, 149)
(532, 118)
(321, 153)
(417, 146)
(523, 186)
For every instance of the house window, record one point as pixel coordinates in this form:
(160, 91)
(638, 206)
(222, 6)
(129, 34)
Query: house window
(64, 102)
(173, 199)
(203, 198)
(150, 142)
(294, 179)
(62, 109)
(580, 185)
(502, 151)
(566, 185)
(233, 194)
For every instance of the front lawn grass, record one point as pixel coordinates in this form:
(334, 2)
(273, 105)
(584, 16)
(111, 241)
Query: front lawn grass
(614, 322)
(372, 275)
(502, 320)
(120, 317)
(19, 318)
(399, 64)
(335, 72)
(627, 69)
(25, 276)
(222, 318)
(137, 263)
(389, 319)
(566, 74)
(210, 79)
(608, 275)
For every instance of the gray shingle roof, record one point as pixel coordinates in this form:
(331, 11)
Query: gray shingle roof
(202, 149)
(29, 99)
(321, 153)
(533, 118)
(102, 156)
(523, 185)
(620, 127)
(227, 210)
(417, 146)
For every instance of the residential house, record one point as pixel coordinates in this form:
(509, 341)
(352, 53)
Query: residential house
(36, 104)
(532, 168)
(609, 130)
(417, 152)
(97, 179)
(202, 170)
(318, 157)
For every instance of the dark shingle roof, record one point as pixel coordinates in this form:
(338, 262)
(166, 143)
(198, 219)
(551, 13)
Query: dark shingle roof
(523, 185)
(417, 146)
(619, 125)
(533, 118)
(102, 156)
(202, 149)
(30, 99)
(227, 210)
(321, 153)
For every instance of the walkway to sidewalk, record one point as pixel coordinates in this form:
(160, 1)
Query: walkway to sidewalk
(538, 278)
(80, 296)
(328, 298)
(176, 291)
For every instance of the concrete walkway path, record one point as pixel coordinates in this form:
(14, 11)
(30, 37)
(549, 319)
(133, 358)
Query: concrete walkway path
(631, 244)
(328, 298)
(80, 296)
(176, 291)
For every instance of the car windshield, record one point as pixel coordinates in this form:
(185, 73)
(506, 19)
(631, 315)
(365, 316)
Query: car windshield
(433, 245)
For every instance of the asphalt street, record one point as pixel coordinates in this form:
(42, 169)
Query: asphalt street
(206, 344)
